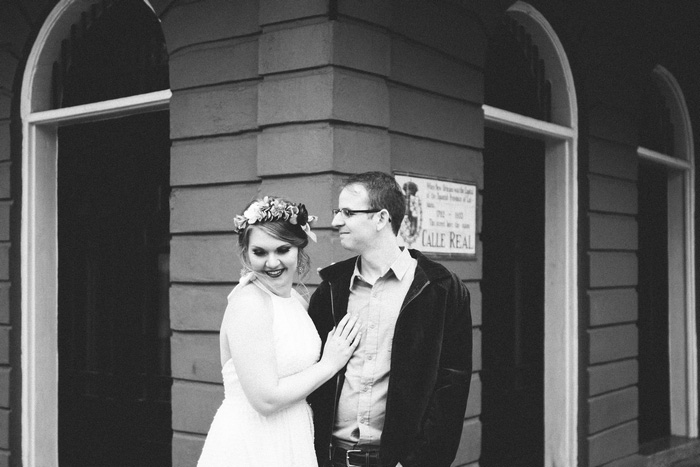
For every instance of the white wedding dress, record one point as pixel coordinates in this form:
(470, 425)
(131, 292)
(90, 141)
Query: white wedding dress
(240, 436)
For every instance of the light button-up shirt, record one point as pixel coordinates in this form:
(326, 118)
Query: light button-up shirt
(361, 410)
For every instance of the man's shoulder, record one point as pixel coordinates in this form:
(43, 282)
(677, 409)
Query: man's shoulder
(434, 270)
(339, 270)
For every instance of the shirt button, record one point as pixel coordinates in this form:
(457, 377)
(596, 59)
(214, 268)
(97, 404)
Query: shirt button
(371, 325)
(370, 357)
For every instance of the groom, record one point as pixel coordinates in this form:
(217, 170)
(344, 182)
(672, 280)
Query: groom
(402, 396)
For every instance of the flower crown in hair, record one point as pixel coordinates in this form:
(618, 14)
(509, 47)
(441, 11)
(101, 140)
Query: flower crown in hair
(275, 209)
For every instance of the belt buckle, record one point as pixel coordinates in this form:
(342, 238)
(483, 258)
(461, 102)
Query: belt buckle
(347, 457)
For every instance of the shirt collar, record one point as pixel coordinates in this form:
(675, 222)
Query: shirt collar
(399, 267)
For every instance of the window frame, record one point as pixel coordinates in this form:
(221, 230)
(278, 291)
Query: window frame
(561, 231)
(683, 351)
(39, 244)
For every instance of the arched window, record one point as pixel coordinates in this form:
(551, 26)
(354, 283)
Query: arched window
(546, 115)
(666, 297)
(66, 105)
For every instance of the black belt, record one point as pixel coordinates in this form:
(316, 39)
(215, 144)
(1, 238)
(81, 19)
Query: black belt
(355, 457)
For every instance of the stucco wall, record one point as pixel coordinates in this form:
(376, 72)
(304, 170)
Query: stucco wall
(286, 101)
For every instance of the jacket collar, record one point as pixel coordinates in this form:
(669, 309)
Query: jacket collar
(343, 270)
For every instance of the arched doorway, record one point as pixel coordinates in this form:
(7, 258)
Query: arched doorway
(96, 239)
(667, 358)
(513, 247)
(536, 119)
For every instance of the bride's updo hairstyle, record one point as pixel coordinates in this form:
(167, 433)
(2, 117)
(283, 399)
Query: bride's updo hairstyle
(281, 219)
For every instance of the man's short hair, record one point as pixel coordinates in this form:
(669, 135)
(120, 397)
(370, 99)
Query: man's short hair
(384, 193)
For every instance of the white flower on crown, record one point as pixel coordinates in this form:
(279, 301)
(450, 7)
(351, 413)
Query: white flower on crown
(274, 209)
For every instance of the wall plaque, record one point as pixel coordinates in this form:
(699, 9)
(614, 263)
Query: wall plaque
(440, 218)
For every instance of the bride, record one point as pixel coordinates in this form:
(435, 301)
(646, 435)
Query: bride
(270, 348)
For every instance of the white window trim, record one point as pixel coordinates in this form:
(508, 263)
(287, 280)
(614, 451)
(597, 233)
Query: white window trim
(39, 244)
(561, 226)
(682, 338)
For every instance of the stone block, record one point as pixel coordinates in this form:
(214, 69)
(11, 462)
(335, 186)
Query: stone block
(436, 159)
(4, 262)
(476, 300)
(613, 124)
(377, 12)
(214, 63)
(5, 140)
(15, 28)
(277, 11)
(301, 97)
(194, 405)
(300, 47)
(424, 68)
(195, 357)
(612, 409)
(612, 195)
(8, 68)
(320, 148)
(214, 160)
(611, 376)
(197, 307)
(613, 343)
(474, 401)
(427, 115)
(476, 349)
(445, 27)
(612, 269)
(324, 94)
(358, 149)
(361, 48)
(191, 23)
(470, 442)
(5, 104)
(204, 258)
(611, 306)
(5, 345)
(612, 159)
(5, 374)
(612, 232)
(214, 110)
(5, 186)
(208, 208)
(612, 444)
(5, 221)
(186, 449)
(5, 302)
(360, 99)
(5, 428)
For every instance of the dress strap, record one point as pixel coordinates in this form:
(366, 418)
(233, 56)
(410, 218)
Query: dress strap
(245, 280)
(257, 282)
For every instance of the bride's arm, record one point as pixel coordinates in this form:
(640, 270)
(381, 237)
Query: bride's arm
(247, 329)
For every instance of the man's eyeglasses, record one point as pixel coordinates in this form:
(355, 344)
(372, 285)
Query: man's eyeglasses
(351, 212)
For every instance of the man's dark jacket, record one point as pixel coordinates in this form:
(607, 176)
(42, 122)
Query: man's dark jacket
(431, 365)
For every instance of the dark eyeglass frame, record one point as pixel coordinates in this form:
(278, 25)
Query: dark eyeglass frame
(351, 212)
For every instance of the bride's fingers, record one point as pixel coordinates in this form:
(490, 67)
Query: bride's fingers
(343, 322)
(356, 341)
(347, 326)
(354, 331)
